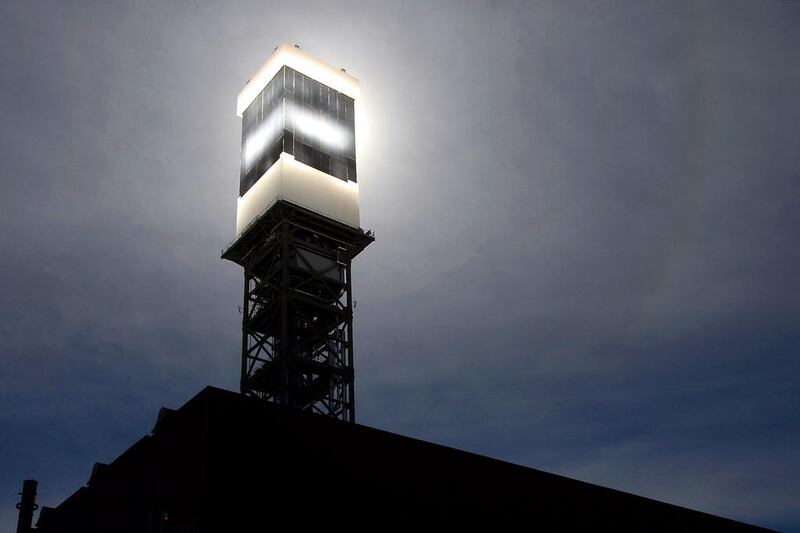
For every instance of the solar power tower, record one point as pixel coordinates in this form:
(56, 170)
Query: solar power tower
(297, 232)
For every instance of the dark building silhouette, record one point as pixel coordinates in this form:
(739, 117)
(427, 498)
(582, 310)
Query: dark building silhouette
(225, 462)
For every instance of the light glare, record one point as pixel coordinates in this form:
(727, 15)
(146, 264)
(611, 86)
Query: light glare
(309, 124)
(266, 133)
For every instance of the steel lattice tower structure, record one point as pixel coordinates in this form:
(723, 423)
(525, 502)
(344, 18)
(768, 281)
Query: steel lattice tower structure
(297, 234)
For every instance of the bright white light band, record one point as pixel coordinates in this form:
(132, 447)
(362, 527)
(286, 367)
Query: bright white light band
(326, 131)
(302, 185)
(306, 123)
(266, 133)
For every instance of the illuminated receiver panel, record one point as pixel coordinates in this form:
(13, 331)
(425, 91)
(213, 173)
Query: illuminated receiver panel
(302, 117)
(298, 139)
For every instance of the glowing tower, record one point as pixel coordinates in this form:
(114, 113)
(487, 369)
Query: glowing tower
(297, 232)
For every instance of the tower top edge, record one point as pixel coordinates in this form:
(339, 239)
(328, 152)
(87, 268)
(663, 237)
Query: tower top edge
(292, 56)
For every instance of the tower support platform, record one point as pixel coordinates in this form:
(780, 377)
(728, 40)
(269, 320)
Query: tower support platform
(297, 310)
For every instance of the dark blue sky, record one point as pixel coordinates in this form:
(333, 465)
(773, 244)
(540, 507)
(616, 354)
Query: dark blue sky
(586, 215)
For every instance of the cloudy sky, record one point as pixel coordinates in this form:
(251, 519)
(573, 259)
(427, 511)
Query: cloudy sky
(586, 216)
